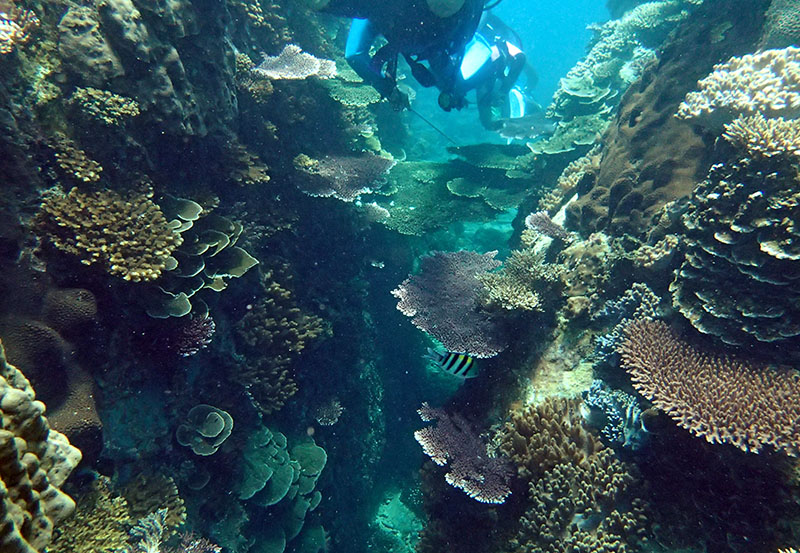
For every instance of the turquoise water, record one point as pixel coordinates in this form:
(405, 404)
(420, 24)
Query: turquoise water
(262, 293)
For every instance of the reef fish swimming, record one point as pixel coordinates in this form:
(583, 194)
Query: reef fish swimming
(457, 364)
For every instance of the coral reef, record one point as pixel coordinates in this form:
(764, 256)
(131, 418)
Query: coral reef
(618, 414)
(443, 300)
(765, 83)
(619, 51)
(721, 399)
(127, 235)
(293, 63)
(472, 468)
(36, 462)
(205, 429)
(571, 477)
(343, 177)
(541, 223)
(74, 162)
(741, 250)
(650, 157)
(16, 25)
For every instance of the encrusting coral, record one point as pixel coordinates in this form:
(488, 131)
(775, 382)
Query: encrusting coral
(127, 235)
(35, 462)
(721, 399)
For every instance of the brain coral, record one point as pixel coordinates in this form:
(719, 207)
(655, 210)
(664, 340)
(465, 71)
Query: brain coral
(127, 235)
(34, 462)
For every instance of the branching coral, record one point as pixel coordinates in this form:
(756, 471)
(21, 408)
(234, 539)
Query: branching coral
(581, 497)
(74, 161)
(518, 283)
(293, 63)
(767, 82)
(99, 524)
(104, 106)
(343, 177)
(127, 235)
(721, 399)
(762, 137)
(454, 443)
(274, 331)
(16, 25)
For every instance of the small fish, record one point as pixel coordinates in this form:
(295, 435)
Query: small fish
(457, 364)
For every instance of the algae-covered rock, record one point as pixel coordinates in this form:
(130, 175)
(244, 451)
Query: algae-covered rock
(84, 50)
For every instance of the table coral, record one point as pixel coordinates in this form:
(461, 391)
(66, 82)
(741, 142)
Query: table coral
(36, 461)
(127, 235)
(721, 399)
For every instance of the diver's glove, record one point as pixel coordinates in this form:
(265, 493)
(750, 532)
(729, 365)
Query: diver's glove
(398, 100)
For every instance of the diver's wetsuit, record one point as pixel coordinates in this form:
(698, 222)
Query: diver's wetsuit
(410, 29)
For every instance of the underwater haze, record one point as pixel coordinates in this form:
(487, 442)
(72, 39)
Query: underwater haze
(416, 276)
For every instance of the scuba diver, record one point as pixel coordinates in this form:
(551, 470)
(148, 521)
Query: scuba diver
(454, 45)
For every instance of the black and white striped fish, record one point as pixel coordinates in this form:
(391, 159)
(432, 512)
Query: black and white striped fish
(457, 364)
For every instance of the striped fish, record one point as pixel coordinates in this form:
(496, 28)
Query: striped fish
(457, 364)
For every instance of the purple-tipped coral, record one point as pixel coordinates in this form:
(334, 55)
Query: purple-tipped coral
(543, 224)
(444, 301)
(454, 443)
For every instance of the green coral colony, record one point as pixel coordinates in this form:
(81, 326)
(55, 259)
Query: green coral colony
(225, 256)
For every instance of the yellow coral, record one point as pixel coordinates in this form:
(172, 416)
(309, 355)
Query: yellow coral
(104, 106)
(99, 525)
(127, 235)
(74, 161)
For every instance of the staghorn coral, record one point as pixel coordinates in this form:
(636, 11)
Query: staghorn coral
(36, 460)
(127, 235)
(99, 524)
(722, 399)
(767, 82)
(759, 136)
(16, 25)
(292, 63)
(443, 300)
(104, 106)
(472, 468)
